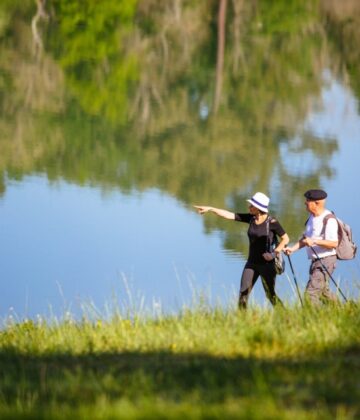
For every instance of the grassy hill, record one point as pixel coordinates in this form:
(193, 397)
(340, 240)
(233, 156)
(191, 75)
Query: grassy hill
(203, 363)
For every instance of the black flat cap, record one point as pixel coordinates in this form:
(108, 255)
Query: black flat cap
(315, 195)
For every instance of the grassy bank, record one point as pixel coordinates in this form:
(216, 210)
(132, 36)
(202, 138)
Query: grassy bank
(289, 363)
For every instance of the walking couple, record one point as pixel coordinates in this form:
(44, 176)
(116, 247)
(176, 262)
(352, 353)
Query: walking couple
(321, 240)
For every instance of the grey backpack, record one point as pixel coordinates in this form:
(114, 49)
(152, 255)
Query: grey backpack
(346, 249)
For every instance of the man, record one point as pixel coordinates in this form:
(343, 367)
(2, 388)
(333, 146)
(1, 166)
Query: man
(320, 236)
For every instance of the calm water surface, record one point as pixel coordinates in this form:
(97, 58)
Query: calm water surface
(101, 160)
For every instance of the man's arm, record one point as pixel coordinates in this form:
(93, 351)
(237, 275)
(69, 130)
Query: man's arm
(325, 243)
(330, 240)
(298, 245)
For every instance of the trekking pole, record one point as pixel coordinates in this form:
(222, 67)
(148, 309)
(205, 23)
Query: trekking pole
(327, 271)
(295, 281)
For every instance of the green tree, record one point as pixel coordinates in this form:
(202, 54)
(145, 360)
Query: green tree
(90, 39)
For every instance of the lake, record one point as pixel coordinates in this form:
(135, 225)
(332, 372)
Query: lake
(117, 119)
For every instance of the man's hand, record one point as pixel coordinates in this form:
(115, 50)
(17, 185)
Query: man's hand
(308, 241)
(288, 250)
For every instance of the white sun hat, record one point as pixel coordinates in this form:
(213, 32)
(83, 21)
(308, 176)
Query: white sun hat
(260, 201)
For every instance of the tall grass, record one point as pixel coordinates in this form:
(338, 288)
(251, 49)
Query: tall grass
(203, 362)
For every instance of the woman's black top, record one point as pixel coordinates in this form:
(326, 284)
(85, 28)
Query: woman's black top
(258, 238)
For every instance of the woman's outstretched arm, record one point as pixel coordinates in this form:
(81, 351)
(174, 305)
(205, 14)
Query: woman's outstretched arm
(220, 212)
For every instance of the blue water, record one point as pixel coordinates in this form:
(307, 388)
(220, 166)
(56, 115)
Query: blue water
(64, 247)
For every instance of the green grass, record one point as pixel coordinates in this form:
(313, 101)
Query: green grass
(203, 363)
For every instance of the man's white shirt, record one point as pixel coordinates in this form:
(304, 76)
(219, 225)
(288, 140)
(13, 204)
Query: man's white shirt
(313, 230)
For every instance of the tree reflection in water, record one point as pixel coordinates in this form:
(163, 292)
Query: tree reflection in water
(128, 94)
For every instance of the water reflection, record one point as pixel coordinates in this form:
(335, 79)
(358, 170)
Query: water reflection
(136, 95)
(74, 246)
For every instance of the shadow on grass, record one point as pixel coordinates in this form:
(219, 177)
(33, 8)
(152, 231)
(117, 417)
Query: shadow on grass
(331, 380)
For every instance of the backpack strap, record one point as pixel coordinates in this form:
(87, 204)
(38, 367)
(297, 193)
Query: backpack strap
(325, 220)
(268, 234)
(268, 221)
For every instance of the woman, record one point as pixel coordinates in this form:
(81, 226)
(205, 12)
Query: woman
(262, 232)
